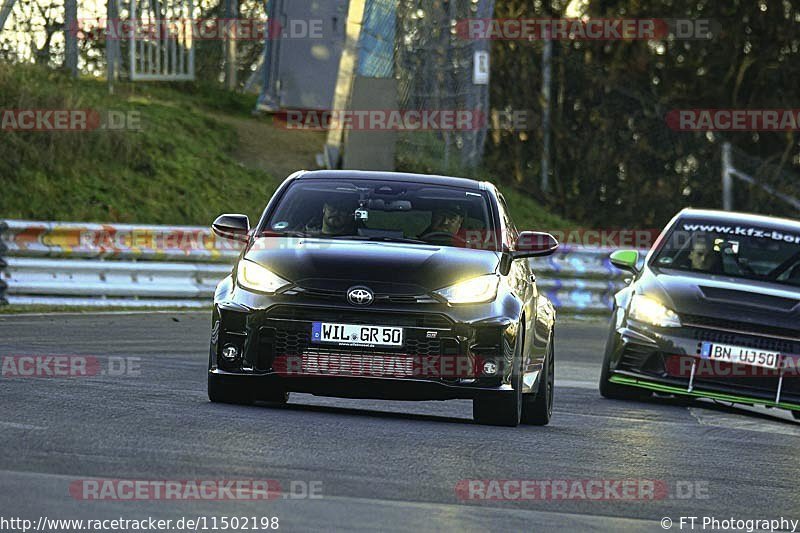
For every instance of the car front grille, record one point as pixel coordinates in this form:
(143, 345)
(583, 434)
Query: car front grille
(748, 341)
(743, 379)
(375, 364)
(741, 328)
(340, 296)
(286, 332)
(635, 356)
(291, 341)
(355, 316)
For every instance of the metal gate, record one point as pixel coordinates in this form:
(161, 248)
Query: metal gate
(160, 37)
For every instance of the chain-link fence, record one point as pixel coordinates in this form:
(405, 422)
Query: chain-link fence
(417, 43)
(35, 33)
(763, 185)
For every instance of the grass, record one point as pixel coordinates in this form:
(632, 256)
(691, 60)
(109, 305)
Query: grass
(530, 215)
(198, 153)
(178, 168)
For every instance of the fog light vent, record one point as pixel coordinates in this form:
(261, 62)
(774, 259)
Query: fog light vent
(230, 352)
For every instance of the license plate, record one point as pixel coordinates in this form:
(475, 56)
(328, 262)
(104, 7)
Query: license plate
(356, 334)
(740, 355)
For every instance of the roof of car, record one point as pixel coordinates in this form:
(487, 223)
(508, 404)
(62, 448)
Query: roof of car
(714, 215)
(449, 181)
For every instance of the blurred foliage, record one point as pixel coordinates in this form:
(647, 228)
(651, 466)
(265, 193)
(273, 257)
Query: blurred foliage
(528, 212)
(614, 160)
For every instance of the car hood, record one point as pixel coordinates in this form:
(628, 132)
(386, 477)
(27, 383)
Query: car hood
(386, 267)
(706, 295)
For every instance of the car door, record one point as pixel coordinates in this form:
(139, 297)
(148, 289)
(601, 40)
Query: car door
(523, 280)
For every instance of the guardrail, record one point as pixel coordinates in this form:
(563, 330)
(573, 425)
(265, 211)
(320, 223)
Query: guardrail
(3, 285)
(25, 238)
(580, 279)
(75, 264)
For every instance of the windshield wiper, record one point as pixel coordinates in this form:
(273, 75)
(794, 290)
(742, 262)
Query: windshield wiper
(376, 239)
(270, 233)
(316, 235)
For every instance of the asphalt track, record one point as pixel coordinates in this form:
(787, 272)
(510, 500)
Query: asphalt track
(374, 465)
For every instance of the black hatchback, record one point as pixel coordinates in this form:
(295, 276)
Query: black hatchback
(712, 312)
(385, 285)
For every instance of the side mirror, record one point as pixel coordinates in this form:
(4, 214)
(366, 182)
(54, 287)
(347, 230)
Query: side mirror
(625, 260)
(234, 227)
(534, 244)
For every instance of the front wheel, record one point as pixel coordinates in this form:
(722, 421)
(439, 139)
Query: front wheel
(537, 409)
(612, 390)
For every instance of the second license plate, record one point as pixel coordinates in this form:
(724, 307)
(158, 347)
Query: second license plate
(740, 355)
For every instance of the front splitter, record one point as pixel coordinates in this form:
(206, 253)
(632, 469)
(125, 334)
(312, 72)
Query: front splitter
(697, 393)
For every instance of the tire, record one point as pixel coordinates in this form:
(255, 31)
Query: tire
(502, 409)
(613, 391)
(796, 415)
(220, 391)
(537, 409)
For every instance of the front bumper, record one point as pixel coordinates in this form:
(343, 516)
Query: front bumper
(360, 387)
(668, 360)
(272, 341)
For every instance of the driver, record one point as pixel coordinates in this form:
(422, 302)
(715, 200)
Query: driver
(446, 222)
(702, 255)
(337, 218)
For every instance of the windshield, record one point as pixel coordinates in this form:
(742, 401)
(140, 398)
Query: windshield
(386, 211)
(740, 251)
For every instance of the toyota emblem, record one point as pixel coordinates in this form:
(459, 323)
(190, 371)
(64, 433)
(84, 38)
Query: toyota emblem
(360, 296)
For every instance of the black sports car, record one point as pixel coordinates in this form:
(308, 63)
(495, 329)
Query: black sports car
(385, 285)
(713, 312)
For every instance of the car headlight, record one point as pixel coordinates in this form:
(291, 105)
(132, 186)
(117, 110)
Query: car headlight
(472, 291)
(648, 310)
(257, 278)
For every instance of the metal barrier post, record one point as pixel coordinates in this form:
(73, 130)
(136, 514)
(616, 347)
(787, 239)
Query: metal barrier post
(3, 248)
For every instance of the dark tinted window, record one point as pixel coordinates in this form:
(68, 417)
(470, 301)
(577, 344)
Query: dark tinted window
(510, 237)
(735, 250)
(367, 209)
